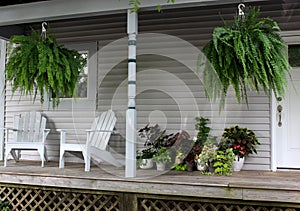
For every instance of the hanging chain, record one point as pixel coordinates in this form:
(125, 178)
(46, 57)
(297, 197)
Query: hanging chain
(44, 31)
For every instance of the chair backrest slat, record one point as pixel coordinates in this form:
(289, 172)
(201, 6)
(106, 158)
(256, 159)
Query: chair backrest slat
(37, 126)
(30, 126)
(18, 124)
(106, 123)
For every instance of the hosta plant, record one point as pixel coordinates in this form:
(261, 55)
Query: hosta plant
(36, 65)
(249, 54)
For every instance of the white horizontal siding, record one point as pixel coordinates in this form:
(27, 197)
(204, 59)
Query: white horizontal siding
(169, 91)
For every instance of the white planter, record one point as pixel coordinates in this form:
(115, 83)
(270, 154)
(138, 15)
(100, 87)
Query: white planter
(161, 166)
(146, 163)
(238, 163)
(200, 167)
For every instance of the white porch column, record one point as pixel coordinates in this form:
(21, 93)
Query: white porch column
(2, 93)
(130, 169)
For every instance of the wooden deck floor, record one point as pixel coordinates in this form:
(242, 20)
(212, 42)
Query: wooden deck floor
(245, 185)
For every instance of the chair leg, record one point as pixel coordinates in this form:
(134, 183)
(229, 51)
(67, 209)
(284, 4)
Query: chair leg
(87, 161)
(7, 151)
(41, 151)
(61, 159)
(15, 155)
(45, 154)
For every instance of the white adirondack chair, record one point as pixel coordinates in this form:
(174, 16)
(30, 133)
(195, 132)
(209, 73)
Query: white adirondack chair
(96, 142)
(29, 133)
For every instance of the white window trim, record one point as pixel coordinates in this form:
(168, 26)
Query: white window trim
(2, 94)
(88, 103)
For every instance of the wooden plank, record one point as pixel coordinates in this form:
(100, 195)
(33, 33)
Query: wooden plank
(271, 195)
(260, 186)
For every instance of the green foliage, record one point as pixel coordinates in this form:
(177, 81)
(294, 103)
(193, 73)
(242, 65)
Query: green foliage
(4, 206)
(203, 130)
(37, 65)
(145, 153)
(156, 138)
(223, 161)
(241, 140)
(179, 166)
(135, 4)
(250, 54)
(162, 156)
(294, 55)
(205, 157)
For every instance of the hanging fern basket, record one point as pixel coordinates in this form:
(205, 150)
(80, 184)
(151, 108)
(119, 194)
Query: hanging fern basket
(37, 64)
(248, 55)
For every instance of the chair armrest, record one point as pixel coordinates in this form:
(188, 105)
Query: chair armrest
(9, 128)
(100, 131)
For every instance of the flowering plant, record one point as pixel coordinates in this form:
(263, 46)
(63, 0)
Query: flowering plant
(241, 140)
(205, 157)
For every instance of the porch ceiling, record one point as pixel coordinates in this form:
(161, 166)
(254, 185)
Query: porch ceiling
(35, 10)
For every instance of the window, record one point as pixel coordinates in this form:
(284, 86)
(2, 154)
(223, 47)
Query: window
(86, 93)
(294, 55)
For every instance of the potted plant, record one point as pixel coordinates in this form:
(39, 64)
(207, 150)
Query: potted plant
(206, 142)
(242, 141)
(223, 161)
(37, 64)
(155, 139)
(144, 158)
(204, 159)
(179, 156)
(162, 157)
(249, 54)
(203, 130)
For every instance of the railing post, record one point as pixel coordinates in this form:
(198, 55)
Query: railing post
(128, 202)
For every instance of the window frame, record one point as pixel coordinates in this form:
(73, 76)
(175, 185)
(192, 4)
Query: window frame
(90, 101)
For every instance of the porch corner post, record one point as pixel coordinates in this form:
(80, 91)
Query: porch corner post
(2, 94)
(130, 168)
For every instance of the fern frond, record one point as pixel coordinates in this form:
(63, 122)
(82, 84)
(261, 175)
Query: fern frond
(35, 65)
(249, 54)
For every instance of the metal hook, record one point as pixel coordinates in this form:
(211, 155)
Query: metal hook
(241, 8)
(44, 31)
(44, 24)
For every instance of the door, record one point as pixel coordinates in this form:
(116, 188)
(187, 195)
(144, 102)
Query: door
(288, 118)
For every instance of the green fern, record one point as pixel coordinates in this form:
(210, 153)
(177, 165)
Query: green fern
(37, 65)
(248, 55)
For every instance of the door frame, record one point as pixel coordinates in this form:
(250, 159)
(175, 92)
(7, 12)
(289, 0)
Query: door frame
(291, 38)
(2, 94)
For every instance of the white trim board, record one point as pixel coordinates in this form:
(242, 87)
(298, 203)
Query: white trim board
(2, 94)
(62, 9)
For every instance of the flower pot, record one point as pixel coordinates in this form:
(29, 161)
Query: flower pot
(146, 163)
(161, 166)
(200, 167)
(238, 163)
